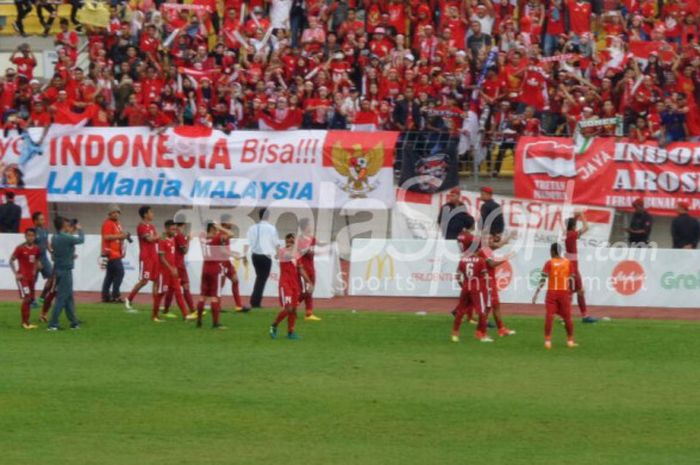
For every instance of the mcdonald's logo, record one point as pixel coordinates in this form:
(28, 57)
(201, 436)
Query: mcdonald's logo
(383, 262)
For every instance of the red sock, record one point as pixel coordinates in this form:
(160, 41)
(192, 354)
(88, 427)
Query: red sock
(482, 327)
(457, 323)
(581, 300)
(48, 300)
(469, 312)
(215, 312)
(180, 301)
(156, 305)
(188, 299)
(498, 320)
(235, 290)
(26, 311)
(291, 321)
(548, 326)
(168, 300)
(309, 302)
(281, 316)
(132, 296)
(569, 324)
(200, 309)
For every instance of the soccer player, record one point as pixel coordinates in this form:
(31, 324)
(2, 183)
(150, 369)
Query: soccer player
(306, 245)
(571, 243)
(46, 268)
(495, 242)
(230, 273)
(557, 272)
(213, 254)
(291, 271)
(27, 255)
(472, 275)
(168, 278)
(148, 255)
(182, 246)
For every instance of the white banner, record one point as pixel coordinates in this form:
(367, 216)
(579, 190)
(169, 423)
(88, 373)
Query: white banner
(415, 217)
(189, 165)
(87, 275)
(611, 276)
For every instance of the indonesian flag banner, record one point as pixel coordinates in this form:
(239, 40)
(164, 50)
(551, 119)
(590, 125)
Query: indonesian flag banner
(195, 165)
(609, 172)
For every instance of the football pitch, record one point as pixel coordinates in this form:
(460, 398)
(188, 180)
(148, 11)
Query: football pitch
(358, 388)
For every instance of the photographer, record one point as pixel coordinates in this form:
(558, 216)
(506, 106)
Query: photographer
(113, 251)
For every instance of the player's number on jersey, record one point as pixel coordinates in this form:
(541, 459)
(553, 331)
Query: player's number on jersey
(469, 270)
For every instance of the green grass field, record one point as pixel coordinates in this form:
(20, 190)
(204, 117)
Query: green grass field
(359, 388)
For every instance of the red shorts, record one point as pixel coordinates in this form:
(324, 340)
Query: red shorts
(26, 288)
(289, 295)
(166, 281)
(229, 269)
(494, 301)
(479, 301)
(558, 303)
(148, 270)
(211, 284)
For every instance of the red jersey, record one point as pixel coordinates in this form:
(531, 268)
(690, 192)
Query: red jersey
(167, 248)
(579, 17)
(181, 242)
(571, 243)
(213, 253)
(148, 251)
(27, 256)
(473, 269)
(488, 254)
(289, 271)
(306, 244)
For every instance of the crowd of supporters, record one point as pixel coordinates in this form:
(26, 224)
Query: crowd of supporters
(487, 71)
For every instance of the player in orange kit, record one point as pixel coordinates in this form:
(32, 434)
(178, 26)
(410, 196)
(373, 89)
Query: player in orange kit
(291, 273)
(27, 255)
(557, 274)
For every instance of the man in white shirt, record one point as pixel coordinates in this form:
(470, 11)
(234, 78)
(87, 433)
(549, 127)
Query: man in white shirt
(263, 242)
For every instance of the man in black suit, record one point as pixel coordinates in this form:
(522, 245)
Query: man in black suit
(10, 214)
(491, 221)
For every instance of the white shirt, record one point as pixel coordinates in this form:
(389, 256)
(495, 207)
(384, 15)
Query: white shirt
(279, 14)
(263, 239)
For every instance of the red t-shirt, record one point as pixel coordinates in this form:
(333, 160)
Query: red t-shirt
(289, 272)
(306, 244)
(213, 253)
(148, 251)
(473, 269)
(579, 17)
(166, 248)
(25, 65)
(27, 257)
(571, 244)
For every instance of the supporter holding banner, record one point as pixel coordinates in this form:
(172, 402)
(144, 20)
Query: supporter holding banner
(542, 223)
(609, 172)
(429, 162)
(30, 201)
(195, 165)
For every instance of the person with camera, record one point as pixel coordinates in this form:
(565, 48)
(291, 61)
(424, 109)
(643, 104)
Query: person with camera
(68, 235)
(113, 251)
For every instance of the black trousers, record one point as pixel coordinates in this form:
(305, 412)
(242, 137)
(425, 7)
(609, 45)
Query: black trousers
(24, 7)
(113, 280)
(262, 265)
(50, 9)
